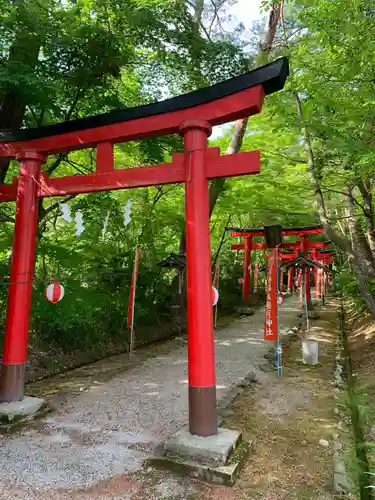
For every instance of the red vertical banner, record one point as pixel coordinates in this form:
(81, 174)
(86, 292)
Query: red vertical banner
(133, 287)
(256, 278)
(318, 284)
(270, 322)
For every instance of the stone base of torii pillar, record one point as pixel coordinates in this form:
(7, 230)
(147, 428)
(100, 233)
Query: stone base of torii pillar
(18, 411)
(216, 459)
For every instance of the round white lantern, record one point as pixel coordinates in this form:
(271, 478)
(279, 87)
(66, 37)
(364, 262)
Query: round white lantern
(54, 292)
(215, 296)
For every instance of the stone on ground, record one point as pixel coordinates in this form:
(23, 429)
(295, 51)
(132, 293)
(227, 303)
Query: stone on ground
(28, 406)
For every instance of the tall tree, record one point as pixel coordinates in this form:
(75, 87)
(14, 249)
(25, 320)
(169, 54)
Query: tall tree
(239, 129)
(329, 93)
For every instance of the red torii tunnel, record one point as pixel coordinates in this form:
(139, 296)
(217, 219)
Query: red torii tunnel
(249, 246)
(247, 234)
(191, 115)
(320, 257)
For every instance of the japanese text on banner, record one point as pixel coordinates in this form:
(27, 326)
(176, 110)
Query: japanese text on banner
(271, 320)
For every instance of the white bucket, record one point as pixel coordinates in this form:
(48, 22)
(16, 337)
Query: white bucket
(310, 352)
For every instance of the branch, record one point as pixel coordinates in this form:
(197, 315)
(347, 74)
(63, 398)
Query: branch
(74, 165)
(222, 241)
(286, 157)
(322, 211)
(349, 195)
(74, 104)
(52, 207)
(199, 21)
(61, 157)
(339, 223)
(366, 194)
(6, 218)
(37, 120)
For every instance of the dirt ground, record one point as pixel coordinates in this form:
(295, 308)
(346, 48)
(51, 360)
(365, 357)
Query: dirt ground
(286, 418)
(360, 330)
(290, 421)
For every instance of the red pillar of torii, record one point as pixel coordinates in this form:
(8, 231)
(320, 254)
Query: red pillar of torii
(191, 115)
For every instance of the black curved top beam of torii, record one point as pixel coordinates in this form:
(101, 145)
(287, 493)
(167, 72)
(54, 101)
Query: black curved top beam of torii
(288, 231)
(305, 263)
(151, 120)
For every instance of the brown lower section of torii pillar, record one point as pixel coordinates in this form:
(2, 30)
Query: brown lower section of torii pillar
(201, 353)
(21, 279)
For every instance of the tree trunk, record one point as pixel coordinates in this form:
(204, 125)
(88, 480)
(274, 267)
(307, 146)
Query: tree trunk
(340, 241)
(217, 185)
(198, 11)
(365, 189)
(359, 243)
(363, 282)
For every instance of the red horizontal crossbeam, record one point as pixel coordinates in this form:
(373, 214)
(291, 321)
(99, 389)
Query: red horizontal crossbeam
(285, 232)
(318, 244)
(309, 244)
(300, 232)
(216, 166)
(244, 235)
(239, 246)
(284, 256)
(284, 246)
(8, 192)
(254, 246)
(226, 109)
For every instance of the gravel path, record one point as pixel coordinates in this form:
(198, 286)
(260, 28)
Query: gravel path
(112, 427)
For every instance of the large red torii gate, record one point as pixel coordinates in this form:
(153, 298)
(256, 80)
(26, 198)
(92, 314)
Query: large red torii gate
(191, 115)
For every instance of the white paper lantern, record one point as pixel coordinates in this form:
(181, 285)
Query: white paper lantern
(215, 296)
(54, 292)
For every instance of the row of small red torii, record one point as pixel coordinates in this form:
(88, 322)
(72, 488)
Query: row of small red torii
(304, 244)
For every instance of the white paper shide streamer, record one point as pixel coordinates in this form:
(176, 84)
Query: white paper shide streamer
(105, 224)
(65, 210)
(127, 212)
(79, 223)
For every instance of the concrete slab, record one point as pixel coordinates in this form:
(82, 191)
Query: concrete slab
(212, 450)
(220, 474)
(10, 412)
